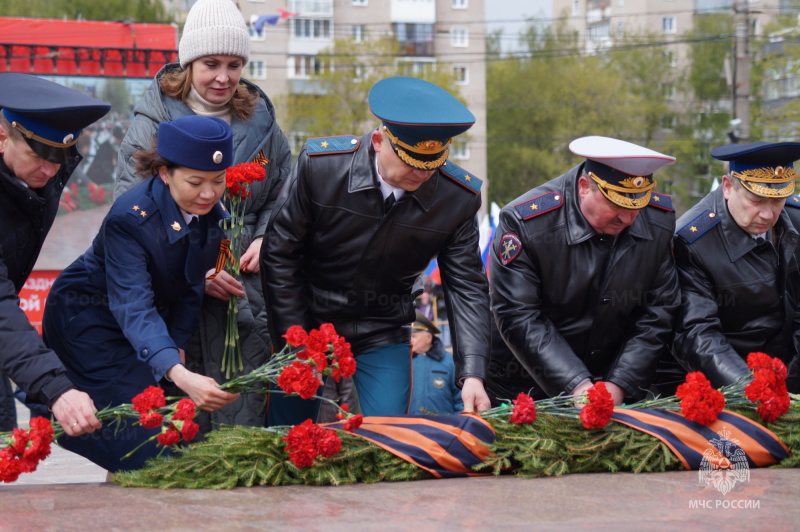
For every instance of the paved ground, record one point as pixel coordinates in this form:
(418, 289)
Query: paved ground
(68, 493)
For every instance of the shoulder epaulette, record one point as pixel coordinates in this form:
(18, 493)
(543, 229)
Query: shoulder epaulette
(461, 176)
(793, 201)
(539, 205)
(698, 226)
(661, 201)
(328, 145)
(142, 209)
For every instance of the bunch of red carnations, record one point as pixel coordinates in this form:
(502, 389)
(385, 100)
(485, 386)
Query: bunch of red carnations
(22, 450)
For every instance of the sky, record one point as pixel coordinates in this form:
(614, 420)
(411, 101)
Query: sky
(510, 16)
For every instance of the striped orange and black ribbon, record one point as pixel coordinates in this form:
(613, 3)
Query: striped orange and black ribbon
(223, 256)
(689, 440)
(446, 446)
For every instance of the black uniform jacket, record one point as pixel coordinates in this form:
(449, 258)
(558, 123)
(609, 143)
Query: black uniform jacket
(26, 216)
(739, 295)
(572, 304)
(331, 255)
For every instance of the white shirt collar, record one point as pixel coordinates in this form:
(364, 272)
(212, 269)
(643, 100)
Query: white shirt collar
(386, 188)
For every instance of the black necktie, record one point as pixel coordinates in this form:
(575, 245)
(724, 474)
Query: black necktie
(196, 234)
(388, 202)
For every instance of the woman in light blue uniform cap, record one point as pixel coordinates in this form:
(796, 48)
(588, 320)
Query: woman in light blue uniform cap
(119, 316)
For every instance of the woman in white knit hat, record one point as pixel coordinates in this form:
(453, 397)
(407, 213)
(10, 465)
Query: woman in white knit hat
(213, 51)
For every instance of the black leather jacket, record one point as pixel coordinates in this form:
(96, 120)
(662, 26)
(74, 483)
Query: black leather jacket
(332, 255)
(739, 296)
(573, 304)
(25, 218)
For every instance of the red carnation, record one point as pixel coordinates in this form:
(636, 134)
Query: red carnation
(299, 379)
(306, 440)
(768, 386)
(597, 413)
(169, 437)
(524, 409)
(189, 429)
(699, 401)
(185, 409)
(296, 336)
(150, 398)
(353, 422)
(151, 420)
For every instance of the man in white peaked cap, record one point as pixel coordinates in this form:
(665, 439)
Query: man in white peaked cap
(583, 281)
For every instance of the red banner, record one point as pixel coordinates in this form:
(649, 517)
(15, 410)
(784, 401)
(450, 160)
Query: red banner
(34, 293)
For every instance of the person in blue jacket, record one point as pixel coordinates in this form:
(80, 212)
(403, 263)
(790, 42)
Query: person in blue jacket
(119, 315)
(433, 388)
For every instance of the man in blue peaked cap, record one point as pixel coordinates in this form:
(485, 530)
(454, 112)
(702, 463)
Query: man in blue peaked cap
(738, 252)
(358, 222)
(40, 124)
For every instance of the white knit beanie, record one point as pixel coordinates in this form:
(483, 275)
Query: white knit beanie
(214, 27)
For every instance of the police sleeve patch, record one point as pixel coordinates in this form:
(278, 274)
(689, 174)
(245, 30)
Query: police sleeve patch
(328, 145)
(661, 201)
(510, 247)
(539, 205)
(698, 226)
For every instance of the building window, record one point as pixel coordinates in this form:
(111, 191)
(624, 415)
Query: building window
(359, 72)
(669, 55)
(620, 28)
(304, 66)
(576, 7)
(257, 68)
(358, 2)
(460, 4)
(669, 91)
(358, 32)
(667, 122)
(460, 150)
(312, 28)
(415, 39)
(461, 74)
(459, 37)
(254, 35)
(668, 25)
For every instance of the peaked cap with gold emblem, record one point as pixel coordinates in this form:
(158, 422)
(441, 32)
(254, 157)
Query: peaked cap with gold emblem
(764, 168)
(623, 171)
(420, 119)
(49, 116)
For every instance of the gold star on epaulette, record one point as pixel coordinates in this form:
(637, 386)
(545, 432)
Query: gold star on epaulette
(534, 206)
(468, 178)
(324, 144)
(693, 229)
(135, 207)
(176, 226)
(143, 213)
(656, 198)
(795, 199)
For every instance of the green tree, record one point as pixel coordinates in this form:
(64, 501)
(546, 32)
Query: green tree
(539, 103)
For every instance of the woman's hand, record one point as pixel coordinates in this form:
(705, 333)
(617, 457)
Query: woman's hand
(201, 389)
(223, 285)
(250, 261)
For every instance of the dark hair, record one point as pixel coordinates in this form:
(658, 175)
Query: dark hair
(149, 161)
(177, 83)
(11, 131)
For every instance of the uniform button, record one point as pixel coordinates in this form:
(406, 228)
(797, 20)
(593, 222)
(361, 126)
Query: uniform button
(145, 352)
(596, 353)
(605, 300)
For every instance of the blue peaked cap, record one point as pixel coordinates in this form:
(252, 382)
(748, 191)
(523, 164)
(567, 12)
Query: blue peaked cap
(49, 116)
(764, 168)
(420, 119)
